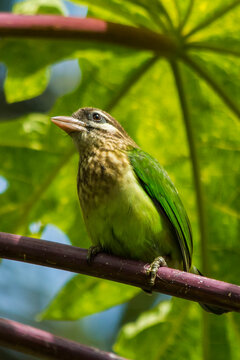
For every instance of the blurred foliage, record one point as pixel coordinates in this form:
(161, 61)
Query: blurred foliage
(201, 131)
(38, 7)
(63, 306)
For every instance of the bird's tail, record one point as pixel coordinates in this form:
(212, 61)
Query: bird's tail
(209, 308)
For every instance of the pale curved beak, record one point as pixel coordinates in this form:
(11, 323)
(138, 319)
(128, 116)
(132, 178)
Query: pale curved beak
(68, 123)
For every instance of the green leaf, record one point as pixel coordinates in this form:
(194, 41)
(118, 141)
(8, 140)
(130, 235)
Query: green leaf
(128, 12)
(169, 331)
(234, 334)
(20, 87)
(218, 334)
(205, 14)
(30, 77)
(84, 295)
(33, 7)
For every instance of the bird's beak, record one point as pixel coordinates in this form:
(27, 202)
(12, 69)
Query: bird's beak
(68, 123)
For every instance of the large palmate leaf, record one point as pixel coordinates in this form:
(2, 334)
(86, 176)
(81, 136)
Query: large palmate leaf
(183, 110)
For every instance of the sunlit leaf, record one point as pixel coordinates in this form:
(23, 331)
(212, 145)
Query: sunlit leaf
(33, 7)
(87, 296)
(169, 331)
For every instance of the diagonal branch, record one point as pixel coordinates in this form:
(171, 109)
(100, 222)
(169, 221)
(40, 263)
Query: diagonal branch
(45, 345)
(60, 27)
(168, 281)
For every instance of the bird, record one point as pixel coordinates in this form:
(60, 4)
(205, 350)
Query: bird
(129, 204)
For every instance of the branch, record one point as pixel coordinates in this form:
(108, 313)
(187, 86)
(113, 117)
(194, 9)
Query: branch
(169, 281)
(30, 340)
(61, 27)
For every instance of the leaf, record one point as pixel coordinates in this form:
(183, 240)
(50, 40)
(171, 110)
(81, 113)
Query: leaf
(130, 12)
(215, 161)
(33, 7)
(234, 334)
(19, 87)
(169, 331)
(205, 14)
(30, 77)
(87, 296)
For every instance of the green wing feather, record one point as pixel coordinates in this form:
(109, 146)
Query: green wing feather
(159, 187)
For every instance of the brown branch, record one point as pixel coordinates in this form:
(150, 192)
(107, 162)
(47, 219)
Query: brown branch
(61, 27)
(42, 344)
(168, 281)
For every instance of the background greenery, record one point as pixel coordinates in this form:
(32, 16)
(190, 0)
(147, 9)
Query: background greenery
(183, 110)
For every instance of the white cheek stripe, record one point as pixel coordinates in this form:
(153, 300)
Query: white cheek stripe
(109, 128)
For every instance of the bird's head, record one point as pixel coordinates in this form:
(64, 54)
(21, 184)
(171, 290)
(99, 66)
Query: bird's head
(89, 126)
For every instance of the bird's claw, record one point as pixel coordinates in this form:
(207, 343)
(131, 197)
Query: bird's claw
(92, 252)
(153, 269)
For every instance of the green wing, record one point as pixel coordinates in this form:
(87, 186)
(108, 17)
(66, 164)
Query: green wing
(159, 187)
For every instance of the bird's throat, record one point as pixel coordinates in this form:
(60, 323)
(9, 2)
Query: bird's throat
(101, 171)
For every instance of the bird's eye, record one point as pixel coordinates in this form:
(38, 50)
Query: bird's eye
(96, 116)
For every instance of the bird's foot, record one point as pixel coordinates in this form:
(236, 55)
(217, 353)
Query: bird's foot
(153, 269)
(92, 252)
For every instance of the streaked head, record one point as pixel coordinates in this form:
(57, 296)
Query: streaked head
(90, 125)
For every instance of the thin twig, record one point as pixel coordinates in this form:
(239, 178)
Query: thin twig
(168, 281)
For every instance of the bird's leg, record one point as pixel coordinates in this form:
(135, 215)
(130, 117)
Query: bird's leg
(92, 252)
(153, 269)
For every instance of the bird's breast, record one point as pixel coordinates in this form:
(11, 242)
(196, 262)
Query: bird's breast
(99, 173)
